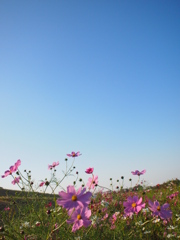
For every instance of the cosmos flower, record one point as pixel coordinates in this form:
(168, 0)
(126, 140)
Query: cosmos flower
(161, 211)
(173, 195)
(42, 184)
(105, 216)
(73, 154)
(79, 217)
(92, 182)
(12, 169)
(54, 164)
(133, 205)
(73, 199)
(138, 172)
(16, 180)
(7, 209)
(89, 170)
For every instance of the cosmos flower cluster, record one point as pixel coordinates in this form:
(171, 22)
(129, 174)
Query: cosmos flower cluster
(76, 202)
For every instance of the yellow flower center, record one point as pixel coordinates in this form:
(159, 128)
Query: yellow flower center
(133, 204)
(78, 216)
(74, 154)
(158, 208)
(74, 198)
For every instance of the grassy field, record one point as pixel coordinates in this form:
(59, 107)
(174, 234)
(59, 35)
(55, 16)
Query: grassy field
(86, 213)
(27, 215)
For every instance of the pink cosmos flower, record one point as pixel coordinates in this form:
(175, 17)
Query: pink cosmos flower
(12, 169)
(54, 164)
(7, 209)
(55, 225)
(113, 219)
(80, 217)
(105, 216)
(73, 199)
(138, 172)
(89, 170)
(173, 195)
(161, 211)
(16, 180)
(73, 154)
(133, 205)
(92, 182)
(48, 205)
(17, 164)
(42, 184)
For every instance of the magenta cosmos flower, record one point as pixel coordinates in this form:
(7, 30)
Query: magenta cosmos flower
(42, 184)
(54, 164)
(138, 172)
(133, 205)
(89, 170)
(92, 182)
(80, 217)
(173, 195)
(12, 169)
(161, 211)
(16, 180)
(73, 199)
(73, 154)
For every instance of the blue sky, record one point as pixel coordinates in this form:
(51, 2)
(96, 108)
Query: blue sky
(98, 77)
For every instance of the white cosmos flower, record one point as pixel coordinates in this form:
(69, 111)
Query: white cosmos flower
(145, 210)
(171, 227)
(156, 220)
(170, 235)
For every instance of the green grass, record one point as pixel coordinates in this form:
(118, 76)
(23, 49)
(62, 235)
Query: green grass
(26, 209)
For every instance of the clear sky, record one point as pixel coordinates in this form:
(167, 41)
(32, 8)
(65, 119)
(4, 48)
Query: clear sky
(99, 77)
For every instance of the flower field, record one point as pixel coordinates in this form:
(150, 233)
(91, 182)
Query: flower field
(87, 212)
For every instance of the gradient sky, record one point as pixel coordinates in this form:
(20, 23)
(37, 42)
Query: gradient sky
(99, 77)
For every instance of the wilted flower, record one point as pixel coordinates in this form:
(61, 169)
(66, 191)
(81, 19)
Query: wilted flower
(73, 199)
(89, 170)
(161, 211)
(80, 217)
(38, 224)
(73, 154)
(133, 205)
(138, 172)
